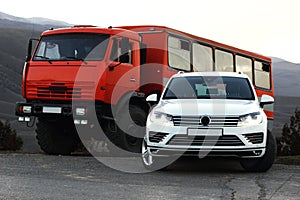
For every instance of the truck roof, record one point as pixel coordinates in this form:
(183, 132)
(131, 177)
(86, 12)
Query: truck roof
(155, 28)
(227, 74)
(134, 31)
(93, 29)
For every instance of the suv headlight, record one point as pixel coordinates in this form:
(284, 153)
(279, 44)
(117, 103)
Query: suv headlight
(250, 119)
(161, 118)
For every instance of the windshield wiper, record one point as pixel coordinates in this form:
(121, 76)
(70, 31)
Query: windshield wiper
(74, 58)
(44, 57)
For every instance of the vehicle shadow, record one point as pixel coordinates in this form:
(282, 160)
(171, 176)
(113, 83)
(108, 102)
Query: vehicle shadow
(206, 165)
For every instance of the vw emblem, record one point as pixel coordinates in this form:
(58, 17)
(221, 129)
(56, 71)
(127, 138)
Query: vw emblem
(205, 120)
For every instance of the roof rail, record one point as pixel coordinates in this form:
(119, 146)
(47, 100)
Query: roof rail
(76, 26)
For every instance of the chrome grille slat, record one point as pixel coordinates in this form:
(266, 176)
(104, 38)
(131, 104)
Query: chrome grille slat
(254, 138)
(208, 140)
(215, 121)
(156, 136)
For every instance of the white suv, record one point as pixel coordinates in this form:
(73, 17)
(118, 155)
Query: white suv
(209, 113)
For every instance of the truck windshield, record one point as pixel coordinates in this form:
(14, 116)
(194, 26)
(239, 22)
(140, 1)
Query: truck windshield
(72, 46)
(209, 87)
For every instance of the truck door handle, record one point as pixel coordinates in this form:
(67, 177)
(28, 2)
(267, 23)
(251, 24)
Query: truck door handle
(132, 80)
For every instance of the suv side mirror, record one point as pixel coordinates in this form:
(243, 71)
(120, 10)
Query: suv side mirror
(152, 98)
(266, 99)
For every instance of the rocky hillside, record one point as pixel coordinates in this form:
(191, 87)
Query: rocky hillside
(15, 33)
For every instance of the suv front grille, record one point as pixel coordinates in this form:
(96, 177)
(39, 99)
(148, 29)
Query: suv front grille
(226, 140)
(215, 121)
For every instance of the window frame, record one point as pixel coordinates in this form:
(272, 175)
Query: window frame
(251, 65)
(206, 46)
(270, 76)
(227, 52)
(180, 37)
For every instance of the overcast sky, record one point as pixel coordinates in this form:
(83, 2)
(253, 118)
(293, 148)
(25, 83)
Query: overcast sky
(268, 27)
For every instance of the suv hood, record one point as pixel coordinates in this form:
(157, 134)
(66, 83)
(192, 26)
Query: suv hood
(217, 107)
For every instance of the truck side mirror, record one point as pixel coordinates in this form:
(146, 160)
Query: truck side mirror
(29, 49)
(266, 99)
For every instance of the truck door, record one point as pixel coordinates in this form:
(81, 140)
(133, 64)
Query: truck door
(123, 71)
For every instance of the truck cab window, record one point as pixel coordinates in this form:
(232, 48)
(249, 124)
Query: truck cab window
(121, 51)
(72, 46)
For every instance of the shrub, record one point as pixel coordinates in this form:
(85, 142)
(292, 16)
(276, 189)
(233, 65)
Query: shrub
(289, 142)
(9, 141)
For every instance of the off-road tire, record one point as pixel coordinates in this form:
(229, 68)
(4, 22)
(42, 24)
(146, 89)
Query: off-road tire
(57, 137)
(123, 138)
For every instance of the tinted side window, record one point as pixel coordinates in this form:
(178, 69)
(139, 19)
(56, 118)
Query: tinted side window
(262, 75)
(202, 58)
(224, 61)
(244, 65)
(179, 55)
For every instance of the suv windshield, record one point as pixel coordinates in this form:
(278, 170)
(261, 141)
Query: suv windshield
(72, 46)
(209, 87)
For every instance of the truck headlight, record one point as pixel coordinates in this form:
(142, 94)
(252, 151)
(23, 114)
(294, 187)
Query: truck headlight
(27, 109)
(250, 119)
(81, 111)
(161, 118)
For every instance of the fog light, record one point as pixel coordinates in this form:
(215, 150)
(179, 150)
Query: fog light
(257, 153)
(84, 122)
(80, 111)
(76, 121)
(26, 109)
(27, 119)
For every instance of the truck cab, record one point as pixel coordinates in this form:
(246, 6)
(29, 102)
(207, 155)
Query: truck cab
(81, 64)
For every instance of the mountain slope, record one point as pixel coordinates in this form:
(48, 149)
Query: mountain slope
(34, 24)
(286, 79)
(15, 33)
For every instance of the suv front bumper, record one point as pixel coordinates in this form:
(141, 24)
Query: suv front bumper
(243, 142)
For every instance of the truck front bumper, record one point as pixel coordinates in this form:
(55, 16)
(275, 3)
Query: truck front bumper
(25, 111)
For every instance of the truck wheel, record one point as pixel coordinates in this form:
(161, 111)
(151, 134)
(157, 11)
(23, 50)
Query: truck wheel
(56, 138)
(264, 163)
(127, 139)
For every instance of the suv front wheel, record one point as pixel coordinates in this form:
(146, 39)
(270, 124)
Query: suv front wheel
(264, 163)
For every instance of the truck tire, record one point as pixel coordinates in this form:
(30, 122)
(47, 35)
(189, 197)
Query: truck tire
(127, 141)
(264, 163)
(56, 137)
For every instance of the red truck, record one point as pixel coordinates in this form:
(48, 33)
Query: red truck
(86, 75)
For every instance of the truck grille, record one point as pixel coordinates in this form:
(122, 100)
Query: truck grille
(184, 140)
(60, 91)
(215, 121)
